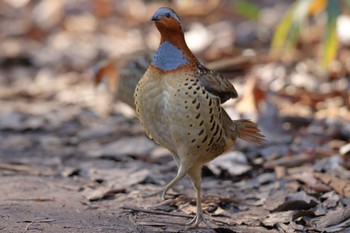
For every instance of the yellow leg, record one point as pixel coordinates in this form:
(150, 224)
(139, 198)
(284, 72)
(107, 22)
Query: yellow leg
(195, 175)
(180, 174)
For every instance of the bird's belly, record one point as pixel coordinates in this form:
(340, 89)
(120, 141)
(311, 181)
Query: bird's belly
(152, 110)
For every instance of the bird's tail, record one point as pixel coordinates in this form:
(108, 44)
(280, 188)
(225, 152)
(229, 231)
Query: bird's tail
(248, 131)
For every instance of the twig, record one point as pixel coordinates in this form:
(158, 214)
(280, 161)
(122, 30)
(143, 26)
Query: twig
(27, 227)
(26, 169)
(159, 223)
(16, 167)
(32, 199)
(156, 212)
(37, 221)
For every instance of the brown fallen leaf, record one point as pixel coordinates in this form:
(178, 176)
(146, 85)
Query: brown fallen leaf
(276, 199)
(298, 201)
(234, 162)
(70, 171)
(282, 201)
(332, 199)
(290, 228)
(333, 221)
(114, 181)
(309, 179)
(341, 186)
(103, 192)
(280, 217)
(290, 161)
(303, 213)
(251, 217)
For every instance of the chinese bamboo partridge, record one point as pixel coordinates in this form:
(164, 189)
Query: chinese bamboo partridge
(121, 76)
(178, 103)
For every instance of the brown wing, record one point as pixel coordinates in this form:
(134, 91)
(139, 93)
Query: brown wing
(216, 84)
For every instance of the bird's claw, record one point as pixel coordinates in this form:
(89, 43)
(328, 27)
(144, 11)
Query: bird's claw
(160, 193)
(197, 220)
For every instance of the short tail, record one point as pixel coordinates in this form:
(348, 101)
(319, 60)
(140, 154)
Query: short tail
(249, 131)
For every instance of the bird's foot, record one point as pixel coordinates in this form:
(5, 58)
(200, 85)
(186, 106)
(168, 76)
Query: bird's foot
(197, 220)
(160, 193)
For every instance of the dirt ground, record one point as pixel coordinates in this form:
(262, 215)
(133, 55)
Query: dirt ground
(74, 160)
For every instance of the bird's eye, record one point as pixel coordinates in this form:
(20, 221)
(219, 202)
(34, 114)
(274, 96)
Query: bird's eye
(167, 15)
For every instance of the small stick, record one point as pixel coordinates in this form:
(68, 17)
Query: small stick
(32, 199)
(27, 227)
(37, 221)
(156, 212)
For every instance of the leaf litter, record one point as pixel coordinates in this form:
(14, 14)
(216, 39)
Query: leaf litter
(65, 141)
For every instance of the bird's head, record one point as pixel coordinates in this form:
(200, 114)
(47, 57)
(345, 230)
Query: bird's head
(166, 20)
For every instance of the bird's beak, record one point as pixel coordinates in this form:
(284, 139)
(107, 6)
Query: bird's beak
(155, 18)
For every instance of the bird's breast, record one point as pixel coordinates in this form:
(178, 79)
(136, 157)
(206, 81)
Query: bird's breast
(178, 113)
(151, 100)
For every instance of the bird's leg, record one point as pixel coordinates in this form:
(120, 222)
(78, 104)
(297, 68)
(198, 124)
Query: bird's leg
(195, 175)
(182, 171)
(180, 174)
(177, 160)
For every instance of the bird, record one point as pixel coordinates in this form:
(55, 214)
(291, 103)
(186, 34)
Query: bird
(178, 102)
(121, 76)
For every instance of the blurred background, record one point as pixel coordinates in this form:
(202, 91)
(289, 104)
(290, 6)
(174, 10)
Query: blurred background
(61, 63)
